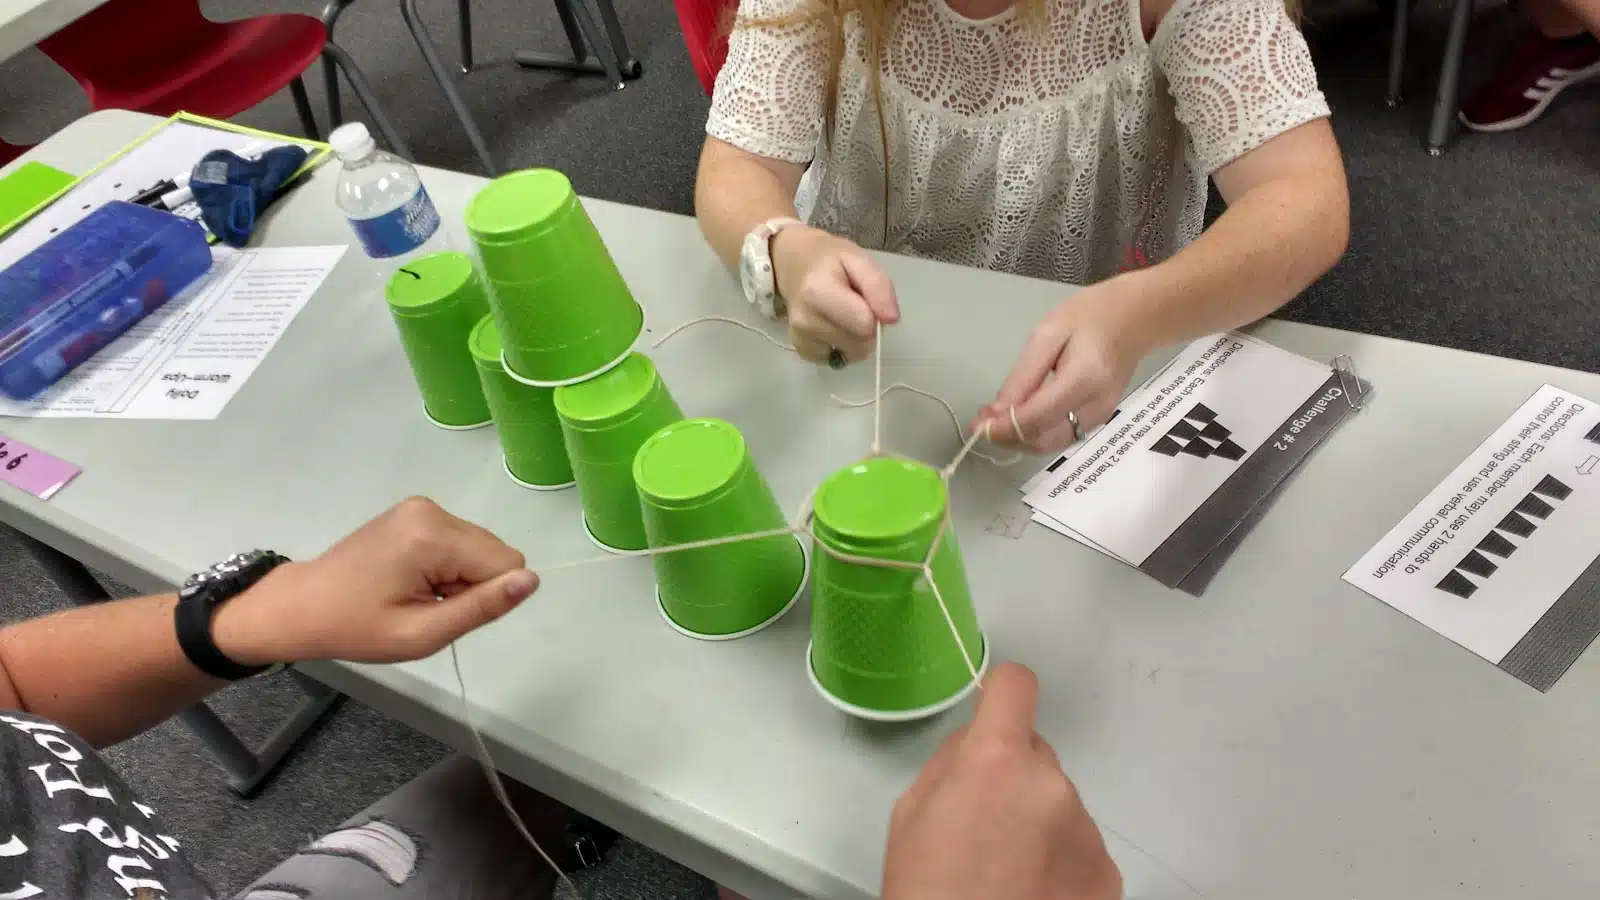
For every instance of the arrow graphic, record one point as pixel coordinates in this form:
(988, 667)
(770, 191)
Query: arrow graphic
(1587, 466)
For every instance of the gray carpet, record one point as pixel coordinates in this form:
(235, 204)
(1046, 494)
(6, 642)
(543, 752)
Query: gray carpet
(1490, 248)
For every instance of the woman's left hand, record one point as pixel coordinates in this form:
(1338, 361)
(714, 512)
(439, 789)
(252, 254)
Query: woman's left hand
(1077, 361)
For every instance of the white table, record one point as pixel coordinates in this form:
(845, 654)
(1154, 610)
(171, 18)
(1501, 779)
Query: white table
(24, 23)
(1283, 736)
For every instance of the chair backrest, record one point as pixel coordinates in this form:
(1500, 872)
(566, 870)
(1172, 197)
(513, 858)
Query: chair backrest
(705, 29)
(129, 36)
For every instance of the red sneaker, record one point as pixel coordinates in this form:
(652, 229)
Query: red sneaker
(1522, 90)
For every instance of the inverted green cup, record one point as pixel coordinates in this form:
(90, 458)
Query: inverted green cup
(436, 301)
(696, 483)
(563, 311)
(605, 421)
(880, 646)
(524, 416)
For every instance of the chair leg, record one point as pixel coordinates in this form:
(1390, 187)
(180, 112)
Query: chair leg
(582, 33)
(1400, 36)
(302, 105)
(358, 83)
(430, 56)
(464, 21)
(631, 67)
(1448, 101)
(330, 72)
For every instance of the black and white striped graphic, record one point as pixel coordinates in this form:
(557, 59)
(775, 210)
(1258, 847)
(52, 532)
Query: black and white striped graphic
(1520, 523)
(1199, 433)
(1593, 435)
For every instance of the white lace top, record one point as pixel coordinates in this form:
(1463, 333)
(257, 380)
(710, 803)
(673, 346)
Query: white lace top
(1067, 150)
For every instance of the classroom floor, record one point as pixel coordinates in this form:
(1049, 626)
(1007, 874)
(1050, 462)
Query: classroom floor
(1490, 248)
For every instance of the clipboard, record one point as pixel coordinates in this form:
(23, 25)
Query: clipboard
(318, 153)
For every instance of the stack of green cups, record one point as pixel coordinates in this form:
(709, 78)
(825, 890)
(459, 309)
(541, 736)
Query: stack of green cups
(436, 301)
(696, 483)
(605, 421)
(880, 646)
(524, 416)
(563, 311)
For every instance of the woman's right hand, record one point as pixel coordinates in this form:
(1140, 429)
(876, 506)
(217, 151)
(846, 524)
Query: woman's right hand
(835, 292)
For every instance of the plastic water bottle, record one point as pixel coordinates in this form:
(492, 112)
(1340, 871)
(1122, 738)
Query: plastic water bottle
(384, 198)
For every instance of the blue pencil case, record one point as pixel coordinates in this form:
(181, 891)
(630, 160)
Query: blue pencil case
(80, 290)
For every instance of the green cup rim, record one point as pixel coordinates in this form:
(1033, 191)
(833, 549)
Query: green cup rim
(564, 399)
(898, 524)
(453, 265)
(899, 715)
(799, 591)
(515, 208)
(484, 344)
(724, 481)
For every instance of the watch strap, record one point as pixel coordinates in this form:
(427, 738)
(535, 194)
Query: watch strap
(761, 281)
(193, 616)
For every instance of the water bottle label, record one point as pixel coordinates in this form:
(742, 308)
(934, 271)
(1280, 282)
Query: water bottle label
(399, 232)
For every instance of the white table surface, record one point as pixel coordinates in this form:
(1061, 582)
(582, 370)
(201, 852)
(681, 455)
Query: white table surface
(24, 23)
(1283, 736)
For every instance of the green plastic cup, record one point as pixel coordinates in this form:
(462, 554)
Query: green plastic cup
(525, 418)
(605, 421)
(436, 301)
(696, 483)
(881, 648)
(563, 311)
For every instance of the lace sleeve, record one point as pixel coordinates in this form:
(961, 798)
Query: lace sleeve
(1240, 74)
(768, 97)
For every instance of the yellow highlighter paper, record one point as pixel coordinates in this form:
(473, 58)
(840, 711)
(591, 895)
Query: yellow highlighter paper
(173, 146)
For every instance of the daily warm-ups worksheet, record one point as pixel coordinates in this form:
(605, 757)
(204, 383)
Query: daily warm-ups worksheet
(187, 359)
(1503, 557)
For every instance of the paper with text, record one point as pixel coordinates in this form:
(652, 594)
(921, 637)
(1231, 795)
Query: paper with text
(187, 359)
(1219, 402)
(1487, 555)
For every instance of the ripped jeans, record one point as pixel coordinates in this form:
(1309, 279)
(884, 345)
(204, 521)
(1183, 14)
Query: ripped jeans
(440, 837)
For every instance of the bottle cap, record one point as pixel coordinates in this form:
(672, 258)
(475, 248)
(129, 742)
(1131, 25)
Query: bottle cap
(351, 141)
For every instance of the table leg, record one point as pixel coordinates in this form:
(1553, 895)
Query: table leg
(584, 35)
(464, 25)
(1400, 35)
(631, 68)
(430, 56)
(358, 83)
(330, 74)
(1448, 101)
(246, 769)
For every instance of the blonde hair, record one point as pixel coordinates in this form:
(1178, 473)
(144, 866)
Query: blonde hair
(877, 16)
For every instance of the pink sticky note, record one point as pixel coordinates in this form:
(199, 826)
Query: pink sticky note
(33, 470)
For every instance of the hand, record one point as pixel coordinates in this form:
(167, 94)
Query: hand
(375, 596)
(835, 292)
(1078, 360)
(992, 814)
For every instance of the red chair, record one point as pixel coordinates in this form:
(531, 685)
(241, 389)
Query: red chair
(163, 56)
(8, 152)
(705, 29)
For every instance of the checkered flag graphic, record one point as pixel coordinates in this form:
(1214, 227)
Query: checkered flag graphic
(1521, 522)
(1199, 433)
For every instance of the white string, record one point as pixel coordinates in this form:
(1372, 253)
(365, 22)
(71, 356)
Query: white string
(726, 320)
(877, 391)
(486, 762)
(955, 420)
(923, 569)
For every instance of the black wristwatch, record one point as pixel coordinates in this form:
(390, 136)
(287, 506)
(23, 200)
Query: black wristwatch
(198, 601)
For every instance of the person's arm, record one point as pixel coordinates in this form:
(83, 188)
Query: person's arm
(114, 670)
(736, 191)
(1257, 122)
(1287, 223)
(764, 129)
